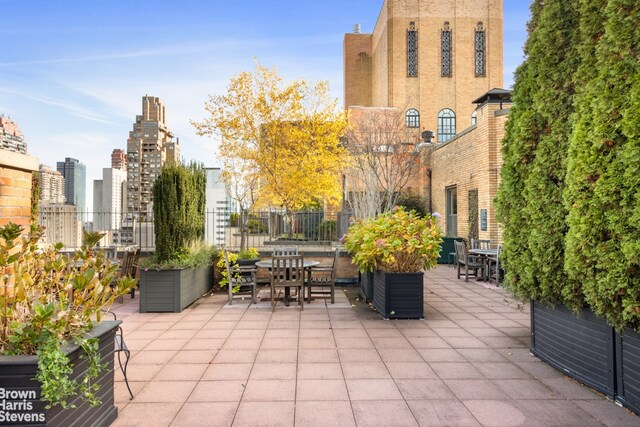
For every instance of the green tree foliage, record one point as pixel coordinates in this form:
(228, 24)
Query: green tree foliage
(603, 196)
(178, 208)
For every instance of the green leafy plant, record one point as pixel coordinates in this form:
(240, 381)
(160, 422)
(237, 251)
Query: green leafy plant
(194, 254)
(49, 301)
(395, 242)
(249, 254)
(328, 230)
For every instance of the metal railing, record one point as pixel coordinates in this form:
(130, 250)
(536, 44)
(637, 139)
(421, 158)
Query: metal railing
(222, 228)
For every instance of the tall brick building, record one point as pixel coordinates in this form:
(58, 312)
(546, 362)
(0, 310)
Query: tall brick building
(430, 58)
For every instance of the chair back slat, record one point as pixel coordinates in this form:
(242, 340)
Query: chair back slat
(285, 250)
(480, 244)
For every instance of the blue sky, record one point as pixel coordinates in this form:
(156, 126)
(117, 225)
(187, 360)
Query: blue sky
(72, 73)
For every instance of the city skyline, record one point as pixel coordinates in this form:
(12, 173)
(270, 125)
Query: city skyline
(73, 75)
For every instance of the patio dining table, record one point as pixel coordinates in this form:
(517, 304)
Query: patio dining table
(287, 291)
(484, 254)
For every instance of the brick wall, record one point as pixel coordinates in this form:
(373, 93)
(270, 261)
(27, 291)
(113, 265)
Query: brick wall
(15, 187)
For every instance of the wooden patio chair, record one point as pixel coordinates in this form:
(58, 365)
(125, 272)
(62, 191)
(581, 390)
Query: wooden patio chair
(464, 260)
(494, 269)
(129, 268)
(240, 277)
(322, 280)
(285, 250)
(480, 244)
(287, 272)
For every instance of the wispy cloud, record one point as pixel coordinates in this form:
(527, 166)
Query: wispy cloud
(68, 107)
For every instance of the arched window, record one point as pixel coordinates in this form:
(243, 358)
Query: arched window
(412, 50)
(412, 118)
(480, 52)
(446, 125)
(445, 51)
(474, 117)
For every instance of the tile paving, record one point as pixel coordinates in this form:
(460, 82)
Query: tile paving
(466, 364)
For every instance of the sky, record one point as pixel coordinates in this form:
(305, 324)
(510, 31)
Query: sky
(73, 73)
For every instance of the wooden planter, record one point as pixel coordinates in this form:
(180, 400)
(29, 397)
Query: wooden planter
(399, 295)
(173, 290)
(17, 376)
(589, 350)
(366, 285)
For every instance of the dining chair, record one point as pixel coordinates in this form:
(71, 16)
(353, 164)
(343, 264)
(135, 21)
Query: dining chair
(120, 348)
(480, 244)
(469, 263)
(494, 269)
(322, 280)
(129, 268)
(287, 272)
(239, 277)
(285, 250)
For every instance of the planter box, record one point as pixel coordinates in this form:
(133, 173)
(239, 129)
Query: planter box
(173, 290)
(17, 373)
(366, 285)
(628, 369)
(399, 295)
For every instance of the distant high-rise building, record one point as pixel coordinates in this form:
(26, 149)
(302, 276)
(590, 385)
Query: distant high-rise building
(218, 207)
(51, 185)
(150, 145)
(75, 183)
(10, 136)
(108, 195)
(119, 159)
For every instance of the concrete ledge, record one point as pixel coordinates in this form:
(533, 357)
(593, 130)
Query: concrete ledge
(21, 161)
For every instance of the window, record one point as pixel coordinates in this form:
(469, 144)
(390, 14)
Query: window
(412, 50)
(445, 48)
(412, 118)
(474, 117)
(446, 125)
(480, 51)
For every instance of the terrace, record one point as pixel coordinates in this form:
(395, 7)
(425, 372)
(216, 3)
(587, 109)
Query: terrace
(467, 363)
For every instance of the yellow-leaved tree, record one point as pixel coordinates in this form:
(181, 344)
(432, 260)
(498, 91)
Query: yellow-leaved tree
(287, 135)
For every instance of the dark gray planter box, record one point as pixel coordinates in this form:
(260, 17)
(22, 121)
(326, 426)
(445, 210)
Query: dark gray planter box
(628, 369)
(366, 285)
(582, 347)
(399, 295)
(17, 375)
(173, 290)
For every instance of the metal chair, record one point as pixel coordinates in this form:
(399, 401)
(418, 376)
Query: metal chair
(287, 272)
(239, 277)
(121, 348)
(469, 263)
(322, 280)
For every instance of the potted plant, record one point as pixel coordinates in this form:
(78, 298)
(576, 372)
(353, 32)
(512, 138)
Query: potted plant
(397, 246)
(56, 353)
(180, 271)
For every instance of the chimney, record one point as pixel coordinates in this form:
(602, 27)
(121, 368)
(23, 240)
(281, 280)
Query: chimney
(356, 29)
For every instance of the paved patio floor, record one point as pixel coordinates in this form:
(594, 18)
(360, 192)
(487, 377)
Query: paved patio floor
(466, 364)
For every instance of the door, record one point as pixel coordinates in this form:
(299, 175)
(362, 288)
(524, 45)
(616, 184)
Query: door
(452, 211)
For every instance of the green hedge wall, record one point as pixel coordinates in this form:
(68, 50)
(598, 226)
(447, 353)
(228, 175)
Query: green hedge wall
(178, 208)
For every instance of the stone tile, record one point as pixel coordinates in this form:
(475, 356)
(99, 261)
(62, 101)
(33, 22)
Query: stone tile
(413, 389)
(277, 356)
(155, 326)
(281, 333)
(465, 342)
(242, 344)
(140, 372)
(438, 413)
(181, 372)
(165, 344)
(419, 333)
(210, 333)
(415, 370)
(280, 344)
(283, 324)
(373, 389)
(526, 389)
(428, 342)
(188, 325)
(203, 414)
(308, 343)
(227, 371)
(193, 356)
(353, 342)
(485, 332)
(370, 370)
(156, 357)
(475, 389)
(153, 414)
(324, 414)
(318, 355)
(319, 371)
(270, 390)
(571, 389)
(345, 324)
(496, 413)
(265, 414)
(316, 390)
(501, 371)
(247, 333)
(218, 391)
(235, 356)
(384, 333)
(273, 371)
(481, 355)
(315, 324)
(400, 355)
(559, 413)
(391, 343)
(166, 391)
(451, 332)
(540, 370)
(204, 344)
(316, 333)
(220, 325)
(383, 413)
(440, 355)
(460, 370)
(359, 355)
(350, 333)
(609, 413)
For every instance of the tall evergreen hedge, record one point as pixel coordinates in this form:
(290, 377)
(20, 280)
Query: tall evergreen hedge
(603, 193)
(178, 208)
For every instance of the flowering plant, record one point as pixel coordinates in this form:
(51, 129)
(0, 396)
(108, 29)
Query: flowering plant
(395, 242)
